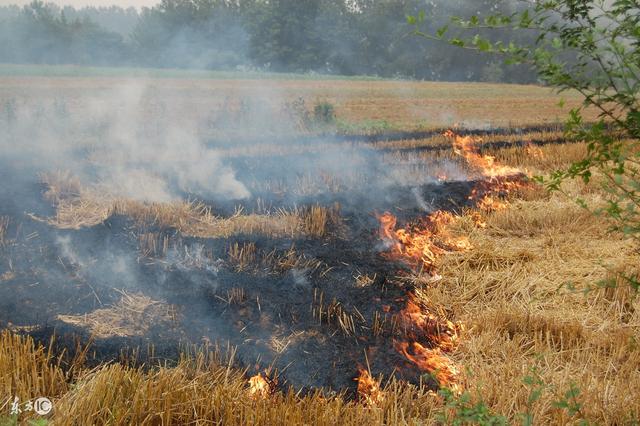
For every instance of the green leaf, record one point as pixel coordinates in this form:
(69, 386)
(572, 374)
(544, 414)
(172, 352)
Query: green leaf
(442, 31)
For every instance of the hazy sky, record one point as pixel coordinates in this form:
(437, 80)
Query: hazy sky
(80, 3)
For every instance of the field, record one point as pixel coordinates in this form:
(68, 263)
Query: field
(197, 250)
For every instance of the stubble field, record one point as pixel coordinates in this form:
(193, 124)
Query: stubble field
(229, 252)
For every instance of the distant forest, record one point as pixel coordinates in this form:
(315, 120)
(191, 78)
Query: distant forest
(347, 37)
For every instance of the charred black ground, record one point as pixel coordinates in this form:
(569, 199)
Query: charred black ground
(271, 317)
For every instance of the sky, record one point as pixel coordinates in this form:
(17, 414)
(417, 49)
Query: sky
(81, 3)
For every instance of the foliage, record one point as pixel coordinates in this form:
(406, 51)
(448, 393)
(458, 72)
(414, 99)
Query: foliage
(359, 37)
(461, 410)
(592, 47)
(464, 408)
(38, 34)
(324, 113)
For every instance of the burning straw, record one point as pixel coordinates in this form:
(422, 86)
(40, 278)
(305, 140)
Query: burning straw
(429, 337)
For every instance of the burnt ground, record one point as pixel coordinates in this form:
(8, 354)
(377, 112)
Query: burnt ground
(49, 272)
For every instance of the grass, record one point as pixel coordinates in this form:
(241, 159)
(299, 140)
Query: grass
(529, 297)
(78, 207)
(201, 389)
(360, 105)
(535, 322)
(133, 315)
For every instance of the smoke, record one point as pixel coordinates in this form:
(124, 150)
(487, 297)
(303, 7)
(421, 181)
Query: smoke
(116, 143)
(422, 203)
(160, 141)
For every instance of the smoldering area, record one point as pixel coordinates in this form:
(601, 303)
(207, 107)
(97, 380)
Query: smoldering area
(287, 266)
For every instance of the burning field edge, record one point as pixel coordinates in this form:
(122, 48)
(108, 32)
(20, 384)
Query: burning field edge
(470, 296)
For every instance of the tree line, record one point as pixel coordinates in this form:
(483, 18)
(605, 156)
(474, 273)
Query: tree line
(347, 37)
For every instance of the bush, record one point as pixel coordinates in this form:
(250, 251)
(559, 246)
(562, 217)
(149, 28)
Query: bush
(324, 113)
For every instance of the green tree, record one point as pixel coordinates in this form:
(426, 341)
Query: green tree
(588, 46)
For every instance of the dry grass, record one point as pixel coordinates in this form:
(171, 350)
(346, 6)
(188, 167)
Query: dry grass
(78, 207)
(245, 257)
(403, 104)
(519, 292)
(528, 295)
(197, 220)
(132, 316)
(525, 292)
(27, 370)
(155, 244)
(242, 256)
(201, 389)
(336, 315)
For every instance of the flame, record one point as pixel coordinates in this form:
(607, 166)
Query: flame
(489, 203)
(485, 164)
(420, 245)
(262, 386)
(433, 361)
(369, 390)
(420, 324)
(478, 220)
(428, 337)
(491, 195)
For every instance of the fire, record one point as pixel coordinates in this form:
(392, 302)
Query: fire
(433, 361)
(485, 164)
(491, 195)
(262, 386)
(478, 220)
(420, 245)
(369, 390)
(489, 203)
(429, 337)
(420, 324)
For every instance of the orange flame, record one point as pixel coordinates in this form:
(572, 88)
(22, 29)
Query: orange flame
(490, 195)
(485, 164)
(420, 324)
(420, 246)
(433, 361)
(369, 391)
(262, 386)
(429, 336)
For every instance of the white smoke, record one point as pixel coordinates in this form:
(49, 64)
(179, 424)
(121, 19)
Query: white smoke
(155, 165)
(113, 140)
